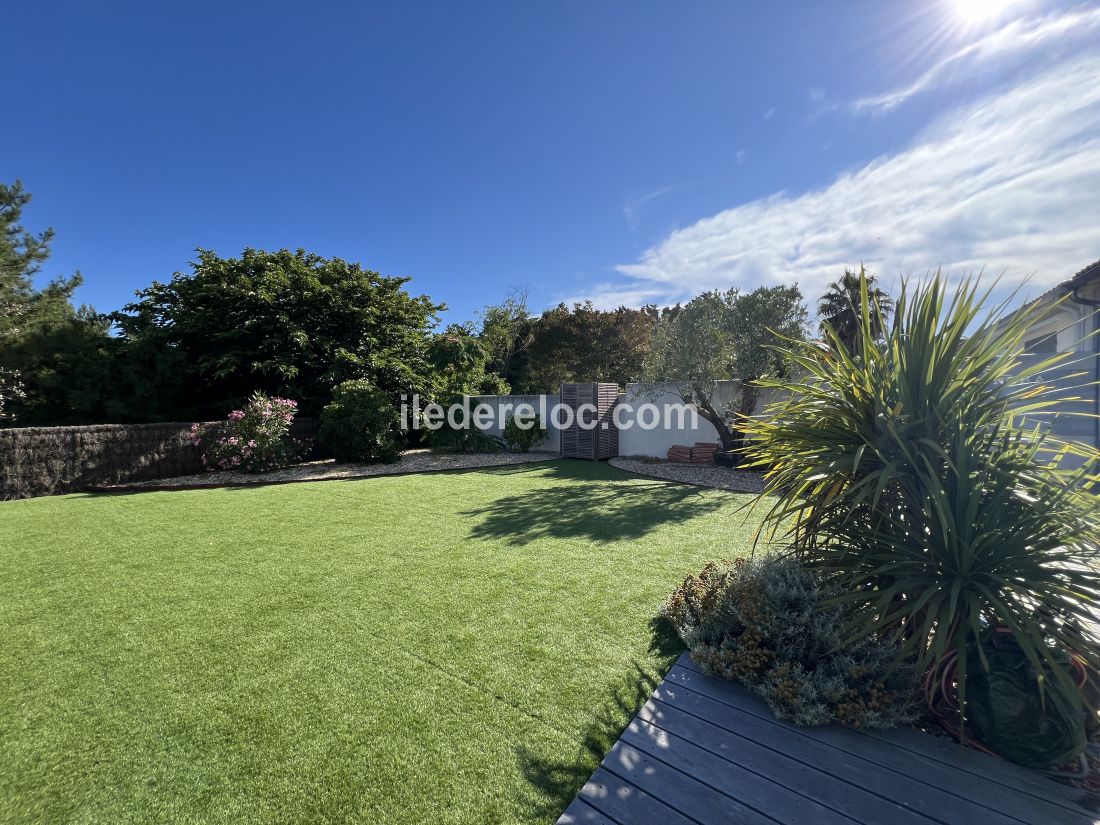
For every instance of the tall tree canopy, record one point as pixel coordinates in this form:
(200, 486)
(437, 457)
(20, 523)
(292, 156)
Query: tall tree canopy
(289, 323)
(582, 343)
(760, 319)
(838, 307)
(22, 254)
(11, 385)
(723, 336)
(54, 357)
(506, 333)
(459, 365)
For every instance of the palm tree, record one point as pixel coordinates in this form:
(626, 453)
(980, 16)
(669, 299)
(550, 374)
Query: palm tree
(838, 307)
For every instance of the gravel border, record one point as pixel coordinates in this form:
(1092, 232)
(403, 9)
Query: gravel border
(411, 461)
(701, 475)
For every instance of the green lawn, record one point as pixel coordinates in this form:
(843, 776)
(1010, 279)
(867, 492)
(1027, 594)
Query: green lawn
(428, 648)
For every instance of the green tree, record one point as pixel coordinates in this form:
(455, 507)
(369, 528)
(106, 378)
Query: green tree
(505, 335)
(761, 319)
(287, 323)
(55, 359)
(67, 369)
(583, 343)
(11, 385)
(11, 389)
(723, 336)
(693, 350)
(22, 254)
(459, 365)
(839, 307)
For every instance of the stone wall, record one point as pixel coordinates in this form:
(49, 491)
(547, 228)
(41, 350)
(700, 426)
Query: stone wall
(42, 461)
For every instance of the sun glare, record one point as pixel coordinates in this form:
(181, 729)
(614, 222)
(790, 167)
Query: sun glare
(975, 11)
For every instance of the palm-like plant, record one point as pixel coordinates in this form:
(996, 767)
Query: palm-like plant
(838, 308)
(909, 475)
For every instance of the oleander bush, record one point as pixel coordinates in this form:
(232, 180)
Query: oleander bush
(254, 439)
(361, 423)
(523, 434)
(765, 623)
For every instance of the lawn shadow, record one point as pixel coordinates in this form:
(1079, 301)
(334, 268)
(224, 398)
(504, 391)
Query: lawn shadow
(590, 506)
(664, 641)
(560, 780)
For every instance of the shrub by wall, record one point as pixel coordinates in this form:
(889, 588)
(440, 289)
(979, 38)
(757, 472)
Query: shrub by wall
(42, 461)
(360, 423)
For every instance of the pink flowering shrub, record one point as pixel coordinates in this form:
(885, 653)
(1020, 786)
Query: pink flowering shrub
(255, 439)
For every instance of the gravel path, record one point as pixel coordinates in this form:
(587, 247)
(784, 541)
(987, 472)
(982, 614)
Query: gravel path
(411, 461)
(704, 475)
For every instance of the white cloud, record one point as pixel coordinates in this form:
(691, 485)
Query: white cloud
(741, 156)
(769, 113)
(634, 209)
(1016, 39)
(1009, 184)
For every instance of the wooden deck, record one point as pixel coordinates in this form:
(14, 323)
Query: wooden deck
(703, 751)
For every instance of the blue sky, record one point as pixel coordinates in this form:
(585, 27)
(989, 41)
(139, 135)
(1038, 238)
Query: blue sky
(623, 151)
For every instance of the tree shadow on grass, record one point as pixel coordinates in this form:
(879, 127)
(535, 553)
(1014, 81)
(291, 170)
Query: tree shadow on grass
(599, 509)
(558, 781)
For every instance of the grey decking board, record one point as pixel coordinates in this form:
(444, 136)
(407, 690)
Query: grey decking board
(799, 778)
(618, 799)
(955, 758)
(835, 771)
(921, 784)
(910, 799)
(729, 778)
(580, 812)
(1024, 803)
(984, 769)
(688, 796)
(994, 770)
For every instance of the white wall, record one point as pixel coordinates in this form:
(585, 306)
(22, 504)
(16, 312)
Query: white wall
(633, 440)
(504, 406)
(655, 443)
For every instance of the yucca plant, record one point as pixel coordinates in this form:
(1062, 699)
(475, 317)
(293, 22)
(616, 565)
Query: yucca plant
(916, 472)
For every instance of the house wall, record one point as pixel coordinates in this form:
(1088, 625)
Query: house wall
(1074, 381)
(1072, 324)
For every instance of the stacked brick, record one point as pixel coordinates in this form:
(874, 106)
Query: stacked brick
(701, 453)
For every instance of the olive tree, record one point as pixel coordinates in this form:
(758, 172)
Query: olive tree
(724, 336)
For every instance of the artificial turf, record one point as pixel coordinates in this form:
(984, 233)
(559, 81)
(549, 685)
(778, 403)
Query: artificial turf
(436, 648)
